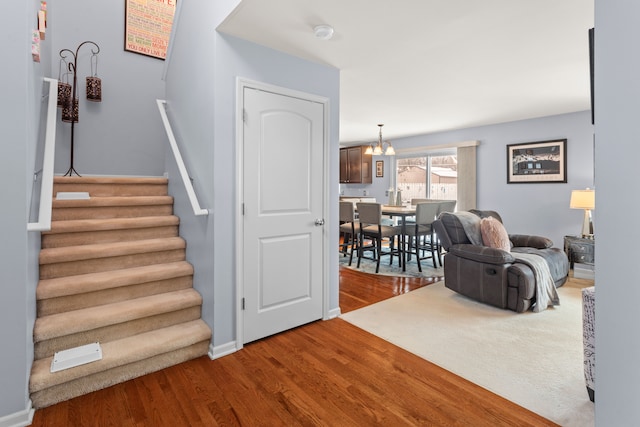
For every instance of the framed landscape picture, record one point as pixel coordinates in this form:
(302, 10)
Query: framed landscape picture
(537, 162)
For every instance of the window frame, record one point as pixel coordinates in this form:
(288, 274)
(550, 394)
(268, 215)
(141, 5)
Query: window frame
(466, 156)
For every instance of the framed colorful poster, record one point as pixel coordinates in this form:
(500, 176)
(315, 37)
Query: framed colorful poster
(148, 25)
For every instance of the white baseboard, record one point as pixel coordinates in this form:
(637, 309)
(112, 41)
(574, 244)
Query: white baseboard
(222, 350)
(19, 419)
(581, 271)
(333, 313)
(231, 347)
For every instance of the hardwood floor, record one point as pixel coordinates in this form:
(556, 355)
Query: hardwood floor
(359, 289)
(326, 373)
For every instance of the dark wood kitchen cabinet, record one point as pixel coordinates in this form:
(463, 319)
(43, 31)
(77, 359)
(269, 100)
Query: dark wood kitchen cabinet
(355, 166)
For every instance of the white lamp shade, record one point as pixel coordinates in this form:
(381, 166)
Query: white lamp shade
(583, 199)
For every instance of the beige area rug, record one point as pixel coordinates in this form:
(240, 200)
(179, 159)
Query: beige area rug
(532, 359)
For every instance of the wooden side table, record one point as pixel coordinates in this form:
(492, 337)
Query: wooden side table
(580, 250)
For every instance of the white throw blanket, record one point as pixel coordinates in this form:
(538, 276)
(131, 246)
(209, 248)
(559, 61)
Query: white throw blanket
(546, 294)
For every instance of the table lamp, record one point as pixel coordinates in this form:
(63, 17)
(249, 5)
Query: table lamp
(584, 199)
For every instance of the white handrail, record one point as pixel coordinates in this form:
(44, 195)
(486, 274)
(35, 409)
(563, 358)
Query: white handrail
(197, 210)
(46, 190)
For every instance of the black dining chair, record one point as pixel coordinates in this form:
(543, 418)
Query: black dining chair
(349, 227)
(421, 240)
(372, 228)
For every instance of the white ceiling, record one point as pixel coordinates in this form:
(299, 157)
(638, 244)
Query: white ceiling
(422, 66)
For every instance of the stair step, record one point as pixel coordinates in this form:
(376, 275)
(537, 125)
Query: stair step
(88, 290)
(80, 225)
(122, 360)
(74, 260)
(91, 231)
(83, 320)
(115, 321)
(112, 201)
(116, 331)
(111, 186)
(92, 282)
(111, 207)
(105, 250)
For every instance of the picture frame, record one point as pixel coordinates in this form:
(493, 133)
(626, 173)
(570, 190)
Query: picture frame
(147, 26)
(379, 168)
(537, 162)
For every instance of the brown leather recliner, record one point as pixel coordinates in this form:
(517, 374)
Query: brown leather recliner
(493, 276)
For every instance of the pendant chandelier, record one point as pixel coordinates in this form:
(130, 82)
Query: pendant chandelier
(379, 149)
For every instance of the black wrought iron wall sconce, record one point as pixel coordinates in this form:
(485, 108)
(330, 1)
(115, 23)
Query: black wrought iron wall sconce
(67, 92)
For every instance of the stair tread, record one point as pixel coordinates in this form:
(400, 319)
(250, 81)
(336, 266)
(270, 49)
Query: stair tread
(76, 321)
(113, 201)
(159, 180)
(79, 225)
(106, 250)
(91, 282)
(122, 352)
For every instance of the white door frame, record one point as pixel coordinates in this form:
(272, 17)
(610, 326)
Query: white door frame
(241, 84)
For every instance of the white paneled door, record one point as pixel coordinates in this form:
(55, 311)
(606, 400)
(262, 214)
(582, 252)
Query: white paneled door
(282, 196)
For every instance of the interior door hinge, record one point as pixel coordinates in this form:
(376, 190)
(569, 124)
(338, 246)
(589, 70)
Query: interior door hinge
(243, 303)
(243, 209)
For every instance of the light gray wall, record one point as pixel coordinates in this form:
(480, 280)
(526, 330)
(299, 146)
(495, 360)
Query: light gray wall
(617, 98)
(201, 91)
(191, 109)
(617, 107)
(541, 209)
(19, 122)
(123, 134)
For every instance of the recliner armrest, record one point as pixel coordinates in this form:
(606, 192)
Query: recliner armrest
(523, 240)
(483, 254)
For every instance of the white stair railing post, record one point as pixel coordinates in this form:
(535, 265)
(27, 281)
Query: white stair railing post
(186, 180)
(46, 190)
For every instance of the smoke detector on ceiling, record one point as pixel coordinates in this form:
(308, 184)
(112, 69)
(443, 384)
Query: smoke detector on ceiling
(323, 32)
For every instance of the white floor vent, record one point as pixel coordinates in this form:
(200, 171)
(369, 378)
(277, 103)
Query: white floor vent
(76, 195)
(76, 356)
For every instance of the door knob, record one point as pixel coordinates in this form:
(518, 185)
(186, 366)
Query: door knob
(319, 222)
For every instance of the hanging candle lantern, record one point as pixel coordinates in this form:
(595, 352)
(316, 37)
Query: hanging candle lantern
(64, 88)
(94, 84)
(64, 94)
(70, 111)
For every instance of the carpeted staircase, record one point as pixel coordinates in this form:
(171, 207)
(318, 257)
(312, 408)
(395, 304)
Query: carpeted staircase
(113, 271)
